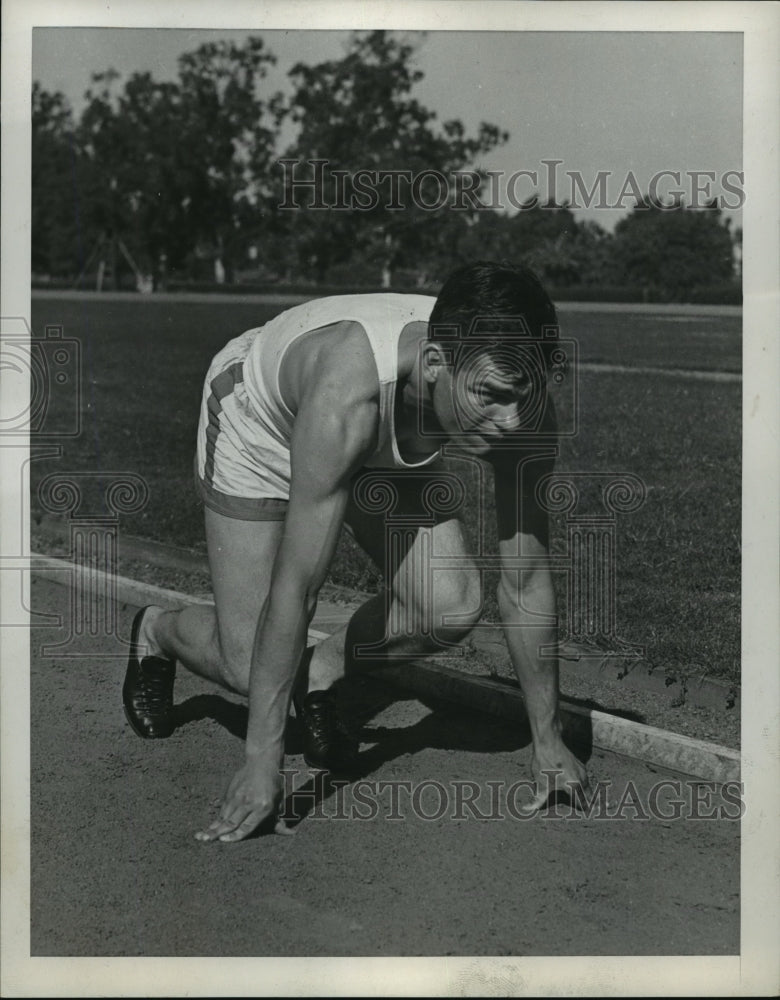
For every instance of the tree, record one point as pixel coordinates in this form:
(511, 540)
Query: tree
(546, 237)
(671, 250)
(58, 180)
(231, 131)
(134, 140)
(738, 251)
(358, 115)
(181, 164)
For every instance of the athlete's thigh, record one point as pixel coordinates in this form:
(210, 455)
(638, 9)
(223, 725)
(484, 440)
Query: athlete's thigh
(241, 556)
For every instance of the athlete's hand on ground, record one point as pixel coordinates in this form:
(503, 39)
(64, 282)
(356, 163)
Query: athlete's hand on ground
(252, 798)
(555, 768)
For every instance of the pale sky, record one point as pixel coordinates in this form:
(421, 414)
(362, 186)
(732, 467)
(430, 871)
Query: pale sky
(598, 101)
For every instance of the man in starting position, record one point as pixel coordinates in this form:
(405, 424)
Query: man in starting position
(295, 415)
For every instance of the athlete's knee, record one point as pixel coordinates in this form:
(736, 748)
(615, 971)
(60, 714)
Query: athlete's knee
(234, 653)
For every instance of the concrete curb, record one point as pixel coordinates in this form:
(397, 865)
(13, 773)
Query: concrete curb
(698, 758)
(696, 691)
(429, 679)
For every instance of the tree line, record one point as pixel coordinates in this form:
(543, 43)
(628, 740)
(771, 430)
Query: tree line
(190, 180)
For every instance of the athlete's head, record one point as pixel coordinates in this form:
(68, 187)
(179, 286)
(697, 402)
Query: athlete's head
(490, 336)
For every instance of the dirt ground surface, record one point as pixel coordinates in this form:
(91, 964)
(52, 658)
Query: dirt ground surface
(115, 870)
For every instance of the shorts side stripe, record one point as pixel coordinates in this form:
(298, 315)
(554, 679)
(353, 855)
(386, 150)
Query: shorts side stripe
(221, 386)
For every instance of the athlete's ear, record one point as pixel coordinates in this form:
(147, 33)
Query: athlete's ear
(434, 360)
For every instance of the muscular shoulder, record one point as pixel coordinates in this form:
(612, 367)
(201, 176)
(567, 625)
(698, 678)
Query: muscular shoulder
(336, 361)
(336, 422)
(345, 359)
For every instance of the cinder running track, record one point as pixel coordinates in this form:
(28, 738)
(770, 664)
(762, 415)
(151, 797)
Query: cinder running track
(115, 869)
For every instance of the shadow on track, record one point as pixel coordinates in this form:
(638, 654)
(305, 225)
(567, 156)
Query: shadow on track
(446, 727)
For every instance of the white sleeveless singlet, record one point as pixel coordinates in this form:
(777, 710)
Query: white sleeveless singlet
(245, 427)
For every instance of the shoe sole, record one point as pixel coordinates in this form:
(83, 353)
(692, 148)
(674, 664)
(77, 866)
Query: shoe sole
(346, 772)
(347, 769)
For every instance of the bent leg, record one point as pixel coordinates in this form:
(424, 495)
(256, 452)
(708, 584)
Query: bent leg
(422, 610)
(216, 642)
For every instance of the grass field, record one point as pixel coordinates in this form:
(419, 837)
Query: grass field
(678, 567)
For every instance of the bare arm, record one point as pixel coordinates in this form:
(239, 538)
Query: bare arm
(526, 600)
(333, 433)
(328, 446)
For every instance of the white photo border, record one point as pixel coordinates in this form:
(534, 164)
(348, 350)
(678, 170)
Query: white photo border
(755, 970)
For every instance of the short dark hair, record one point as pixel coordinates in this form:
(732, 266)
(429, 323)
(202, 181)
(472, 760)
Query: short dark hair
(492, 304)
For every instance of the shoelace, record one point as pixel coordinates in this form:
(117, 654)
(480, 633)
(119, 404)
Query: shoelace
(156, 692)
(324, 716)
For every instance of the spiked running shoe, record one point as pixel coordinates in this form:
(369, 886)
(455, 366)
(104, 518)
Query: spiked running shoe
(147, 693)
(327, 743)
